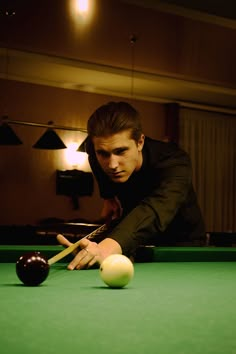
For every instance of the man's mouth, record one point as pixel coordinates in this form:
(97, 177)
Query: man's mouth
(116, 174)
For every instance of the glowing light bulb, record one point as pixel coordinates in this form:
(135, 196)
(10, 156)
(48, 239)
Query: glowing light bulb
(82, 6)
(71, 154)
(81, 12)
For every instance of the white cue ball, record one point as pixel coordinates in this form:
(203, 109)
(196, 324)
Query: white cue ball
(116, 271)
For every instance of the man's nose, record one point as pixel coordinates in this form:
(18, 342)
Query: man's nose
(113, 162)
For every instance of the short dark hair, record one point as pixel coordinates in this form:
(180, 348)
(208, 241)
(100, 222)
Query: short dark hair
(115, 117)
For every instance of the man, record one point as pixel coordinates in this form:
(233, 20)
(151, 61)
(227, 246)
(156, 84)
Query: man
(146, 186)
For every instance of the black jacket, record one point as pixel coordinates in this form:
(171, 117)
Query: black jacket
(159, 202)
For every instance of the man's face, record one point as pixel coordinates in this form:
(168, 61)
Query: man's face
(119, 155)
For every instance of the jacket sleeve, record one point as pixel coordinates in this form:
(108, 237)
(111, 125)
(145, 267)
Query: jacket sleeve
(156, 211)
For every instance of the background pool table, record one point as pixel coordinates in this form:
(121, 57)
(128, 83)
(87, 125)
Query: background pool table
(181, 300)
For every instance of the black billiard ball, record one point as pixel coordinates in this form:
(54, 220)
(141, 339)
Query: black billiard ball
(32, 268)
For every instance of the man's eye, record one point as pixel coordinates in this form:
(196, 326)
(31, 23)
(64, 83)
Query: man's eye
(120, 151)
(103, 154)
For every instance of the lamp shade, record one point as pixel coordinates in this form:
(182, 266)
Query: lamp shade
(84, 145)
(49, 141)
(8, 136)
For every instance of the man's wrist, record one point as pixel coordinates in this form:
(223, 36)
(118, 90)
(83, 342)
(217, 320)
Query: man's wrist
(109, 246)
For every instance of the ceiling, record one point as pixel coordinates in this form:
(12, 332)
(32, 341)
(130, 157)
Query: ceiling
(192, 8)
(77, 75)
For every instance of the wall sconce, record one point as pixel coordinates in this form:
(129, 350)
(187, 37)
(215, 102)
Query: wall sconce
(7, 135)
(71, 155)
(74, 158)
(74, 184)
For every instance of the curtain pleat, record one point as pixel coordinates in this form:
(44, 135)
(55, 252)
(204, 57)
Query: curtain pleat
(210, 140)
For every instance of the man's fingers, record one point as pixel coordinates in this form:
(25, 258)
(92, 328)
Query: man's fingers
(66, 243)
(85, 256)
(84, 243)
(80, 261)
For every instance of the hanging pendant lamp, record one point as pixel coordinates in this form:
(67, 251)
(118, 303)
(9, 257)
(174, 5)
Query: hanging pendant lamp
(49, 141)
(83, 147)
(8, 136)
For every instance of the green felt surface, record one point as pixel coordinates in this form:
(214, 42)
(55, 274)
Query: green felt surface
(168, 307)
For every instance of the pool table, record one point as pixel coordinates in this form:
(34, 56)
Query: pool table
(181, 300)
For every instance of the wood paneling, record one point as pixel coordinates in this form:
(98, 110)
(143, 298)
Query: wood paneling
(27, 175)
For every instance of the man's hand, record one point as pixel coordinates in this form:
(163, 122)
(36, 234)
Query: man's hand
(90, 253)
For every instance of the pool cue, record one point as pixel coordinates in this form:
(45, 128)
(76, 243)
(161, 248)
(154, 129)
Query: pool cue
(75, 245)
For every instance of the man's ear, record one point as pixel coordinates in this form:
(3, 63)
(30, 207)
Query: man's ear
(141, 142)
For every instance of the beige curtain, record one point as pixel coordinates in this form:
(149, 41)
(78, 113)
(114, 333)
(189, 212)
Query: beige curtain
(210, 139)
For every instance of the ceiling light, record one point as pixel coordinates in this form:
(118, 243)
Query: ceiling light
(49, 141)
(83, 146)
(8, 136)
